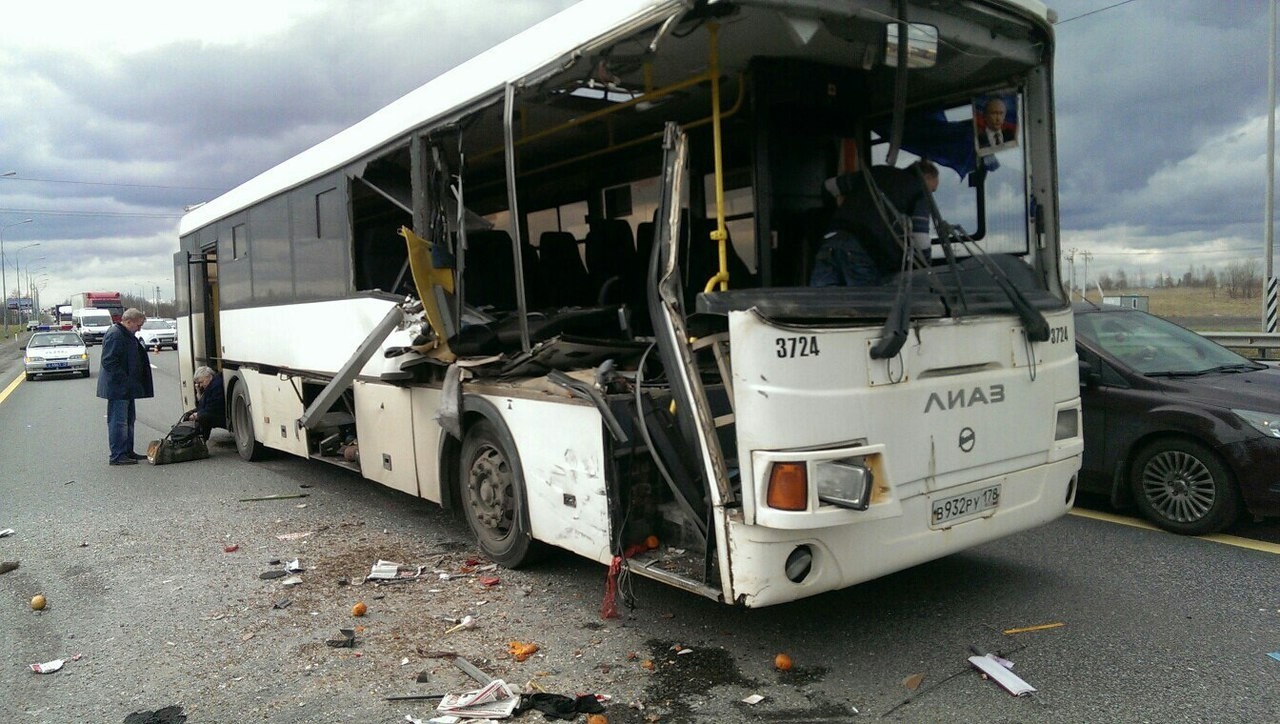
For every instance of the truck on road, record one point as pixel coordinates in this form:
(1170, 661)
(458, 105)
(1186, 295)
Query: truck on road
(109, 301)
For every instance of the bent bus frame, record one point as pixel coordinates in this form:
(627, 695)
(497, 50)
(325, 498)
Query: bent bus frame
(563, 288)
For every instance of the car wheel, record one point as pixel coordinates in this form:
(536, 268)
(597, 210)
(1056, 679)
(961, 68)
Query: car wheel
(242, 426)
(1181, 486)
(30, 377)
(493, 498)
(86, 374)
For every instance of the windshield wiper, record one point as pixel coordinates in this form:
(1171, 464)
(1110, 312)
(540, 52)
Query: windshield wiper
(1235, 367)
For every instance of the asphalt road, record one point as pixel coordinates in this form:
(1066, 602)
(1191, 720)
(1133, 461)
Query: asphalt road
(142, 591)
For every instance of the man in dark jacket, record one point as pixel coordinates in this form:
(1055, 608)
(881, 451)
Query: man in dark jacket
(860, 249)
(124, 378)
(211, 402)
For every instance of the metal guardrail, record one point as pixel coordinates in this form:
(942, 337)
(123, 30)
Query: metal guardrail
(1267, 343)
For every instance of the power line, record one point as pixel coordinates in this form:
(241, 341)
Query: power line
(115, 184)
(121, 214)
(1093, 12)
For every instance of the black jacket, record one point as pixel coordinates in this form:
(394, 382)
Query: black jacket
(903, 189)
(126, 369)
(211, 406)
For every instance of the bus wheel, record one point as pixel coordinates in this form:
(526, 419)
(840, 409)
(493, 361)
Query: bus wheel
(242, 425)
(493, 499)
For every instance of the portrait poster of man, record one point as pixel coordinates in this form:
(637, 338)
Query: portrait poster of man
(995, 122)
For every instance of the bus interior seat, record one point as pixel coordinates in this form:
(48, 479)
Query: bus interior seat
(611, 255)
(702, 260)
(535, 291)
(564, 276)
(489, 276)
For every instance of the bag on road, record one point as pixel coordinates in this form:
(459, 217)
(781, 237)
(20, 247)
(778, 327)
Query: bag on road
(183, 443)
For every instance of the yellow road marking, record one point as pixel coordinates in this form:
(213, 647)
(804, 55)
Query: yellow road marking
(1231, 540)
(16, 381)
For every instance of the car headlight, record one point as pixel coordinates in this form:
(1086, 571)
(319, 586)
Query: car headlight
(83, 355)
(1267, 423)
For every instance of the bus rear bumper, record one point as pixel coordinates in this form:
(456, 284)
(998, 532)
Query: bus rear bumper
(793, 564)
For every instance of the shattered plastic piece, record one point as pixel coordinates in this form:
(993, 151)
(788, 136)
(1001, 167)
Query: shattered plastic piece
(7, 566)
(913, 682)
(47, 667)
(521, 651)
(292, 581)
(294, 536)
(294, 566)
(282, 603)
(489, 580)
(6, 532)
(347, 641)
(390, 570)
(465, 623)
(753, 699)
(231, 548)
(1275, 655)
(1002, 676)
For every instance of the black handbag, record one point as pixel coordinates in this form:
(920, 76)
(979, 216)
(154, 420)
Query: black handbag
(181, 444)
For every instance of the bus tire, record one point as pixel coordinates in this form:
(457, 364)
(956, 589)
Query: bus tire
(493, 498)
(242, 426)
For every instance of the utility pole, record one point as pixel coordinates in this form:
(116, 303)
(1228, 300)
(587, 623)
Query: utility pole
(1071, 283)
(1087, 256)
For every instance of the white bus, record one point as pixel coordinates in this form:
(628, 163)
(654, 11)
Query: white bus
(563, 288)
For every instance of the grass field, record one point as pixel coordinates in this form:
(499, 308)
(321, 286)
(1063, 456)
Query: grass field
(1200, 309)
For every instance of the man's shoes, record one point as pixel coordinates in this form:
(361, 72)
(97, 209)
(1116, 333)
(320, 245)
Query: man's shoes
(126, 461)
(136, 456)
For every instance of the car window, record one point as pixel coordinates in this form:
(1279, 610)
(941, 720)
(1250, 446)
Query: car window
(1151, 345)
(52, 340)
(154, 324)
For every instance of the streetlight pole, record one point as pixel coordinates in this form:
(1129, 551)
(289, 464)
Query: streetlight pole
(17, 273)
(4, 290)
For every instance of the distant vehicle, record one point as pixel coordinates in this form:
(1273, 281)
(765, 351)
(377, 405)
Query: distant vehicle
(109, 301)
(49, 353)
(1186, 429)
(33, 326)
(173, 323)
(91, 323)
(64, 320)
(155, 333)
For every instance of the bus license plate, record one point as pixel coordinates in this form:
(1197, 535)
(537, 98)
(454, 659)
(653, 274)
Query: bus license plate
(949, 510)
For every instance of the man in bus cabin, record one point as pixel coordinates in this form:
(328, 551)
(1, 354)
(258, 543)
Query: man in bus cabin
(859, 248)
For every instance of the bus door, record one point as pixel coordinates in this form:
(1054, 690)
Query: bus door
(202, 333)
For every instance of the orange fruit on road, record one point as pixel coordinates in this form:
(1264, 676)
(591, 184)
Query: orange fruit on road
(782, 662)
(359, 609)
(38, 602)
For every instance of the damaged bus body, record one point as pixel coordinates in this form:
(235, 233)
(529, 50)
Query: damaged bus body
(563, 288)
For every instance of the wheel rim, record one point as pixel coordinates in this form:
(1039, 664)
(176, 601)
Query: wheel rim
(491, 494)
(244, 426)
(1179, 486)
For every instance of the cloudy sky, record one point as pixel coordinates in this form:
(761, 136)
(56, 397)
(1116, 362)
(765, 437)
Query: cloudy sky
(114, 116)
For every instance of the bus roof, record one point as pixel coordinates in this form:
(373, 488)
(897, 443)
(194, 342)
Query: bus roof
(483, 76)
(475, 83)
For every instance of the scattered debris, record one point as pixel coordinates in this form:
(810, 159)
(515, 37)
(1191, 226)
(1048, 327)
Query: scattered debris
(559, 706)
(231, 548)
(347, 641)
(281, 604)
(294, 536)
(991, 667)
(275, 497)
(753, 699)
(167, 715)
(292, 581)
(423, 677)
(467, 622)
(268, 575)
(294, 566)
(390, 571)
(1028, 629)
(489, 581)
(359, 609)
(521, 651)
(913, 681)
(1275, 655)
(470, 670)
(7, 566)
(782, 662)
(6, 532)
(494, 700)
(47, 667)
